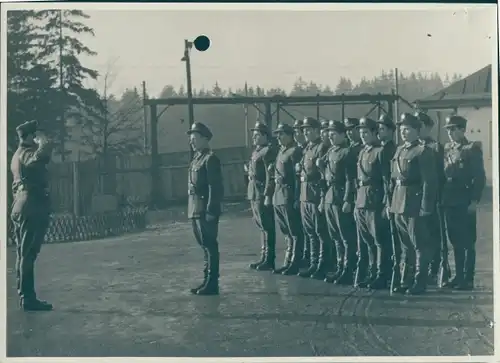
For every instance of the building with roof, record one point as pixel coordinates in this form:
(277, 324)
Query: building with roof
(470, 97)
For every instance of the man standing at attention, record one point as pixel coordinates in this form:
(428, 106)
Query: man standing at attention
(260, 192)
(464, 184)
(30, 212)
(301, 141)
(414, 182)
(286, 199)
(373, 189)
(339, 173)
(435, 226)
(205, 193)
(310, 198)
(386, 137)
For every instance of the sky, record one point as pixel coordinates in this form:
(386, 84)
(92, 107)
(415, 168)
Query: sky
(274, 48)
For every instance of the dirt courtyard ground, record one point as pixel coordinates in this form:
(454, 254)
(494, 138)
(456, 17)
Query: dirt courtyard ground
(128, 296)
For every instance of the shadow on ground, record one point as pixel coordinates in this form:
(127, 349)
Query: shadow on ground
(128, 296)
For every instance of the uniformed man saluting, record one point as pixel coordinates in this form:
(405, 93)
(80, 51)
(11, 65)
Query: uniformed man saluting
(464, 184)
(373, 189)
(205, 192)
(310, 198)
(30, 212)
(300, 139)
(435, 226)
(260, 192)
(414, 185)
(286, 199)
(339, 172)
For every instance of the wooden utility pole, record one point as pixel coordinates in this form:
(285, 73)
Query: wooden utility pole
(62, 130)
(396, 104)
(187, 46)
(245, 108)
(145, 123)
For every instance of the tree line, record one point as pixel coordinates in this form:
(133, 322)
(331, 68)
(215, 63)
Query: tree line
(47, 82)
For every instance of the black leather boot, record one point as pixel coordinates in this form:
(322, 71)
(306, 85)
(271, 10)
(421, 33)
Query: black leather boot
(407, 277)
(379, 283)
(286, 263)
(263, 253)
(34, 305)
(421, 275)
(205, 277)
(211, 287)
(459, 279)
(205, 272)
(346, 278)
(338, 272)
(269, 263)
(470, 270)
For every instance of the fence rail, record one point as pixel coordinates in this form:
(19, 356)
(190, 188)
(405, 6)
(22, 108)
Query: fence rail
(74, 184)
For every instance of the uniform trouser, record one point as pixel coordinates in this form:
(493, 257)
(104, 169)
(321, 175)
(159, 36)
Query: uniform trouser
(29, 234)
(342, 230)
(290, 225)
(461, 230)
(206, 233)
(387, 229)
(395, 243)
(315, 228)
(415, 248)
(371, 244)
(264, 218)
(437, 240)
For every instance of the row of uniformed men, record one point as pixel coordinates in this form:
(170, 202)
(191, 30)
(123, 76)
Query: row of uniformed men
(356, 209)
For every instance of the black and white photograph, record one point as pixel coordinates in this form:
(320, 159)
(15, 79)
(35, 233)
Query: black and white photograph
(273, 181)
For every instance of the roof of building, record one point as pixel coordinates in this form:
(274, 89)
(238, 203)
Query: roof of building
(471, 91)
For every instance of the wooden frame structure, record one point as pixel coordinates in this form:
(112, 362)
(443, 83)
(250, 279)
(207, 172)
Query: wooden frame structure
(383, 102)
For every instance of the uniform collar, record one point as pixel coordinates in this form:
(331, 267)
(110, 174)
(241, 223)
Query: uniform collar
(357, 143)
(409, 145)
(460, 143)
(27, 145)
(427, 140)
(314, 143)
(200, 153)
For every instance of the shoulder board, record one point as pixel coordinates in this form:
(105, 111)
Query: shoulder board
(476, 145)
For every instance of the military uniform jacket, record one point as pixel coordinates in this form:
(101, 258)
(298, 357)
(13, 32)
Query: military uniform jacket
(286, 181)
(438, 150)
(205, 185)
(373, 172)
(310, 175)
(356, 149)
(259, 173)
(340, 175)
(413, 180)
(464, 173)
(30, 179)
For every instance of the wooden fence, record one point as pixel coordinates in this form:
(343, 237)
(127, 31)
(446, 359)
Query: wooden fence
(73, 184)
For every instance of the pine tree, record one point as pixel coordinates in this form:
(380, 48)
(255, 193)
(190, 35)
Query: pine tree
(61, 51)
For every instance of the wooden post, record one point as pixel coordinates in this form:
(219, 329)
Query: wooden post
(390, 113)
(145, 123)
(269, 117)
(156, 199)
(343, 109)
(76, 188)
(317, 108)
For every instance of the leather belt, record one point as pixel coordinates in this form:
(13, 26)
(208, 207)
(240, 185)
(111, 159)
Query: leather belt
(365, 183)
(304, 178)
(405, 183)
